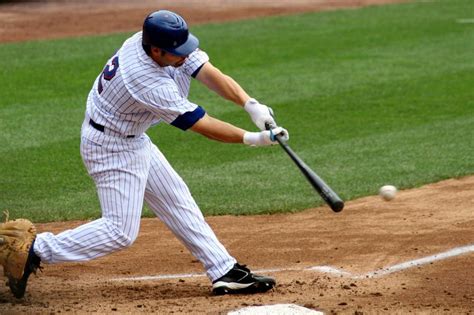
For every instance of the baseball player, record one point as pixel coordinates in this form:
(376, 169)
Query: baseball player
(147, 82)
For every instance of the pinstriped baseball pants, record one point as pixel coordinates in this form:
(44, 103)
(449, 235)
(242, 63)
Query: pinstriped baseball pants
(128, 172)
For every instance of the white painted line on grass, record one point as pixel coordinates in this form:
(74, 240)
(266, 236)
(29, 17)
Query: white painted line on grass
(328, 269)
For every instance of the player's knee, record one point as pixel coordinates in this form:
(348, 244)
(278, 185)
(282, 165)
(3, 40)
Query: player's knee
(124, 240)
(131, 237)
(128, 238)
(124, 236)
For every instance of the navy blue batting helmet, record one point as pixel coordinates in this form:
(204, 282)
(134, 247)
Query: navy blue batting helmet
(168, 31)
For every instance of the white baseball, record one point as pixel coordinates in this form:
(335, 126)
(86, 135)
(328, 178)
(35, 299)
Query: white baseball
(388, 192)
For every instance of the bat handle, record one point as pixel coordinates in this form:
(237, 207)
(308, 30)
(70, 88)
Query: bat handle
(269, 126)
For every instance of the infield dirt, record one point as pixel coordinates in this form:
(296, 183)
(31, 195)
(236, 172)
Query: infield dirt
(369, 234)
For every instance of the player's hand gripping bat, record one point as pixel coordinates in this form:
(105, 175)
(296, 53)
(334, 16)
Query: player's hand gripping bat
(329, 196)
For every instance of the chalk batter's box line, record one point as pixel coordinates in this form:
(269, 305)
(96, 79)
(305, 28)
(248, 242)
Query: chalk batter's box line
(457, 251)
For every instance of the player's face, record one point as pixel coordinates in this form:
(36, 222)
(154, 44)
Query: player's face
(176, 61)
(166, 59)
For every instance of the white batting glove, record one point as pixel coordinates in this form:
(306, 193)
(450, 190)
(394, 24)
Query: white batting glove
(259, 113)
(266, 137)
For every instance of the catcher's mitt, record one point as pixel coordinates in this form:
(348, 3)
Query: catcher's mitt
(16, 238)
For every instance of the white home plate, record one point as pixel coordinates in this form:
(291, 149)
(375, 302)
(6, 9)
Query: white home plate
(277, 309)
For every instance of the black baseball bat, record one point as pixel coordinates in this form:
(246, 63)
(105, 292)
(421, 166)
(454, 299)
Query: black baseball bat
(323, 189)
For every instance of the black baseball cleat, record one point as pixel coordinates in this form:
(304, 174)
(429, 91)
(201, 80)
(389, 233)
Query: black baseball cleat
(18, 286)
(240, 280)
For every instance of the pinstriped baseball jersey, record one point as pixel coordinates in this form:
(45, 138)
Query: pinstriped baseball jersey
(134, 92)
(131, 94)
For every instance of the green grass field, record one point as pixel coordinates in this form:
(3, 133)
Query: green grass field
(379, 95)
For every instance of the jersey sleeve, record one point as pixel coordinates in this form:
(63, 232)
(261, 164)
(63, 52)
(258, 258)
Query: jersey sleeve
(167, 104)
(194, 62)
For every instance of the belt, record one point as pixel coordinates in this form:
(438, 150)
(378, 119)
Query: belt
(101, 128)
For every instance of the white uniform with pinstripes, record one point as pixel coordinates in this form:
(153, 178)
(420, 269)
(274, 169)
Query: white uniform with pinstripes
(136, 93)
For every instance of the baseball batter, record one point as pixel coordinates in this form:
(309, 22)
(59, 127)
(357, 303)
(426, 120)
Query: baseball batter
(147, 82)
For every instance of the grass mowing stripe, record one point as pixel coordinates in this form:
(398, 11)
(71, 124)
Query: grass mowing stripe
(27, 128)
(370, 96)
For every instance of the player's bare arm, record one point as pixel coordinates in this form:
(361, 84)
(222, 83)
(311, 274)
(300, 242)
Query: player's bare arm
(219, 130)
(229, 89)
(222, 84)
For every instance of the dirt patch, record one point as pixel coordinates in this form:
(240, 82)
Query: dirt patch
(368, 235)
(56, 19)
